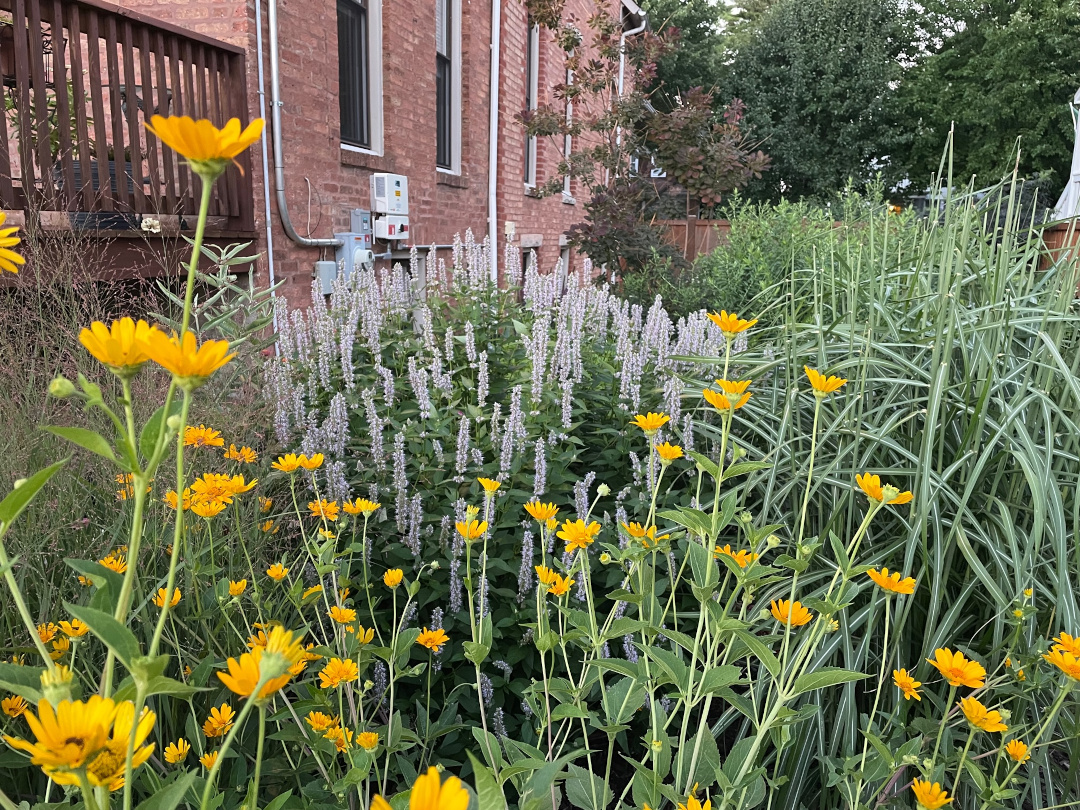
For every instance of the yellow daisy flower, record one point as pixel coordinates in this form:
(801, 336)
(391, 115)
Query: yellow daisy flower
(202, 436)
(121, 346)
(8, 257)
(731, 325)
(432, 639)
(208, 149)
(190, 363)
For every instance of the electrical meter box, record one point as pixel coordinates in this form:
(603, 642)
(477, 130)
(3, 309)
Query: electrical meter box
(357, 244)
(389, 193)
(392, 227)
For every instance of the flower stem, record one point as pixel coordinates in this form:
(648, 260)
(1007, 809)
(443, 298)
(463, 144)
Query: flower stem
(963, 756)
(20, 603)
(211, 778)
(258, 759)
(944, 720)
(178, 530)
(196, 250)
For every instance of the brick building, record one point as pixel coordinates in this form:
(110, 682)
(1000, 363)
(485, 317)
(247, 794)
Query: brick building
(401, 86)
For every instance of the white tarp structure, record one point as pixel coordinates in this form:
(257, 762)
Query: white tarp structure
(1068, 204)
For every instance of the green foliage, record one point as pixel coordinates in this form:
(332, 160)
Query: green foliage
(818, 79)
(766, 244)
(603, 108)
(697, 61)
(995, 72)
(666, 662)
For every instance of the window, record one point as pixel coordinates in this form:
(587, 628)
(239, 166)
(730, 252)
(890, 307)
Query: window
(567, 141)
(354, 74)
(564, 267)
(447, 85)
(532, 89)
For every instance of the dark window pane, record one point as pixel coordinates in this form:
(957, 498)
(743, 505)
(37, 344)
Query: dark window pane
(353, 78)
(443, 104)
(531, 88)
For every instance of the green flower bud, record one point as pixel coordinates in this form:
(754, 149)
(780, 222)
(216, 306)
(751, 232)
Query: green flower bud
(61, 387)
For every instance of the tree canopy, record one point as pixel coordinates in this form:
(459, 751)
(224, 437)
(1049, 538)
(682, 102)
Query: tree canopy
(1000, 70)
(818, 78)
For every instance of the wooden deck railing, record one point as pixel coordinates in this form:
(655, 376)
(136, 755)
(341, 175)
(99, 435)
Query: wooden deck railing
(80, 79)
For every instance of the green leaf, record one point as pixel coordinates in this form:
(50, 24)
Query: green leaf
(708, 761)
(622, 699)
(168, 797)
(582, 785)
(151, 432)
(672, 665)
(719, 677)
(694, 520)
(98, 574)
(160, 685)
(405, 641)
(476, 652)
(489, 795)
(824, 677)
(839, 552)
(745, 467)
(761, 651)
(114, 635)
(354, 777)
(28, 692)
(86, 439)
(568, 710)
(22, 675)
(279, 801)
(19, 498)
(703, 567)
(619, 665)
(489, 746)
(705, 463)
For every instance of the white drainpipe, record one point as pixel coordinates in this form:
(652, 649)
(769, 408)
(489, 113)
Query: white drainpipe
(493, 139)
(622, 62)
(265, 161)
(279, 158)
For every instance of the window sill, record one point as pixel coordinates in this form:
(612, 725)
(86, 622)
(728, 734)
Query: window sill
(354, 156)
(445, 178)
(568, 199)
(532, 191)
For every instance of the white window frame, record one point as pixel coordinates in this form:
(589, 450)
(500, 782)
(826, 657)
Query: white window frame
(532, 78)
(375, 82)
(568, 144)
(455, 90)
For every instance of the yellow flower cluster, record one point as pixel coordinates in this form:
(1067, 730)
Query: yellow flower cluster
(209, 495)
(126, 345)
(79, 740)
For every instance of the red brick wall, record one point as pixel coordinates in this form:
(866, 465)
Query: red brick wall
(324, 182)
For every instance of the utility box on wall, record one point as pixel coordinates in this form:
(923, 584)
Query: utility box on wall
(392, 227)
(389, 193)
(357, 244)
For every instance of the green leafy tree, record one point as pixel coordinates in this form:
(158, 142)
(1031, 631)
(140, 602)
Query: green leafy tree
(709, 154)
(818, 78)
(697, 62)
(996, 72)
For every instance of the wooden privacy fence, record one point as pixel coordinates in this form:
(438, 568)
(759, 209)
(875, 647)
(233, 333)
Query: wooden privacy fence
(696, 237)
(80, 80)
